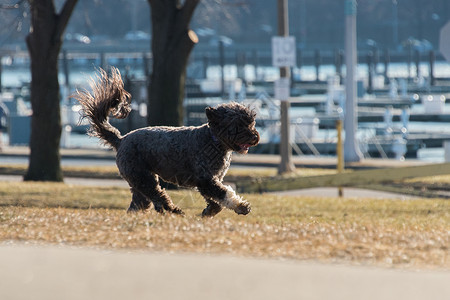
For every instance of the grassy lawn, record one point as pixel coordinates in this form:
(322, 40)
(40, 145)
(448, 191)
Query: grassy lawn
(394, 233)
(430, 187)
(111, 172)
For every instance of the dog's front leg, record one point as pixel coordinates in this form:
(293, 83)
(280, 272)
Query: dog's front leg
(224, 195)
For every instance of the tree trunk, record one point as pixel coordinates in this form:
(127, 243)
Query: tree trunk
(44, 43)
(46, 126)
(172, 43)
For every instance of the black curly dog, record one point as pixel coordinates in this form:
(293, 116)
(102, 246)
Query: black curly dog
(187, 156)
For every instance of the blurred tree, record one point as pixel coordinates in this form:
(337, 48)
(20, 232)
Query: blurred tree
(172, 43)
(44, 43)
(319, 22)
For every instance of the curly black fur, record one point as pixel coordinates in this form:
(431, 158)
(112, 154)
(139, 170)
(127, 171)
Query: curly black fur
(108, 97)
(187, 156)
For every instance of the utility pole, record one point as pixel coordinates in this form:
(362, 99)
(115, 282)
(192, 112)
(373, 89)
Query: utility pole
(352, 153)
(395, 23)
(0, 73)
(286, 165)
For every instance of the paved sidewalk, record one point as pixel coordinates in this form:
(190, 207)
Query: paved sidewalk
(30, 272)
(348, 192)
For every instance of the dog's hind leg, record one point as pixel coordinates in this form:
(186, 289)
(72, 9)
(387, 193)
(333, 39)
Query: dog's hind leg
(147, 185)
(139, 202)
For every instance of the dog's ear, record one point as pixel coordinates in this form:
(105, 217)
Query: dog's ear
(211, 114)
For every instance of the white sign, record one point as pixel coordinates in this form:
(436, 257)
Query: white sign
(444, 41)
(283, 51)
(282, 89)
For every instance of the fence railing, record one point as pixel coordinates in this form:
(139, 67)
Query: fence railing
(346, 179)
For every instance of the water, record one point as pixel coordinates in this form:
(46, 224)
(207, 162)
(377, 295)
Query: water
(16, 77)
(308, 73)
(79, 76)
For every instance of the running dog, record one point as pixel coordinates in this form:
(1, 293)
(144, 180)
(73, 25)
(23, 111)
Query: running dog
(186, 156)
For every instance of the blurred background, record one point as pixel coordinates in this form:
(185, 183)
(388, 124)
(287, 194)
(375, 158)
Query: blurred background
(403, 79)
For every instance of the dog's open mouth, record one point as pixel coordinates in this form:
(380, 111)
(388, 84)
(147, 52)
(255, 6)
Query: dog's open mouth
(243, 148)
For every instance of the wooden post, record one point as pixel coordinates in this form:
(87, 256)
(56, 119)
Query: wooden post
(376, 59)
(240, 64)
(205, 66)
(352, 151)
(317, 62)
(339, 154)
(299, 59)
(128, 87)
(409, 61)
(255, 63)
(66, 68)
(338, 57)
(222, 68)
(386, 66)
(145, 65)
(432, 59)
(341, 58)
(286, 165)
(370, 72)
(103, 60)
(1, 74)
(417, 62)
(244, 63)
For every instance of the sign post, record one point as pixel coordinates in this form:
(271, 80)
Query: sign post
(444, 41)
(283, 48)
(283, 51)
(282, 89)
(352, 153)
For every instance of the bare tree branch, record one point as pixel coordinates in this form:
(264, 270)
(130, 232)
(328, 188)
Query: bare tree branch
(64, 16)
(188, 11)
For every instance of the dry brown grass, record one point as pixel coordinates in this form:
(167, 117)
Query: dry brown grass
(397, 233)
(111, 172)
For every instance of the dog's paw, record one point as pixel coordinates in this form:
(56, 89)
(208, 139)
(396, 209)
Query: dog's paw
(243, 208)
(177, 211)
(133, 208)
(159, 208)
(211, 210)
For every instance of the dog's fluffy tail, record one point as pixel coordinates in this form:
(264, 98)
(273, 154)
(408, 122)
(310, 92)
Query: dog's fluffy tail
(108, 96)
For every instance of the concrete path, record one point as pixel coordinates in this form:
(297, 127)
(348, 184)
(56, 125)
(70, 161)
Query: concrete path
(347, 193)
(30, 272)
